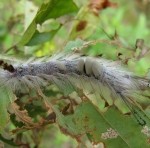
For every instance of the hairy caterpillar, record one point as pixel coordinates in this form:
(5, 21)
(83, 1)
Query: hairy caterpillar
(103, 78)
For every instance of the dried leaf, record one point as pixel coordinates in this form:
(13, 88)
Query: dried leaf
(97, 5)
(22, 115)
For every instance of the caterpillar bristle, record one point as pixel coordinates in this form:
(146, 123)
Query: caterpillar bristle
(104, 79)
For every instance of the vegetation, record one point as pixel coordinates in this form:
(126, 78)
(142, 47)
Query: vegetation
(117, 30)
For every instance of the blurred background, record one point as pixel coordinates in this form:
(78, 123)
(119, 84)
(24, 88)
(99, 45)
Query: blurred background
(95, 19)
(117, 20)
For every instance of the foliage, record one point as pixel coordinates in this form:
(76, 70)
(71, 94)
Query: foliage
(109, 32)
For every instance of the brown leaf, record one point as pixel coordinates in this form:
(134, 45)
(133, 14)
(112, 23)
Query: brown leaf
(98, 5)
(22, 115)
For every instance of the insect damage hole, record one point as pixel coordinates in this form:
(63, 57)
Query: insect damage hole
(109, 134)
(146, 130)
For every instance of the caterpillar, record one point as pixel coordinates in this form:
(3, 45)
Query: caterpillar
(105, 79)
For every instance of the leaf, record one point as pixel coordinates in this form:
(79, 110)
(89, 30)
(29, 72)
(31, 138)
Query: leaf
(88, 18)
(128, 128)
(48, 10)
(87, 120)
(22, 115)
(84, 25)
(28, 34)
(39, 38)
(54, 9)
(5, 99)
(111, 127)
(74, 45)
(10, 142)
(97, 5)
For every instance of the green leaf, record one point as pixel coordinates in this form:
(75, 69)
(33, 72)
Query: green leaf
(49, 10)
(87, 120)
(55, 9)
(128, 128)
(29, 33)
(4, 102)
(74, 44)
(39, 38)
(85, 24)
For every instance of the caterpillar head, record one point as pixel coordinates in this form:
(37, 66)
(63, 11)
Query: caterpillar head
(7, 66)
